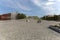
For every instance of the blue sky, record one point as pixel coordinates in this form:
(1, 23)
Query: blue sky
(31, 7)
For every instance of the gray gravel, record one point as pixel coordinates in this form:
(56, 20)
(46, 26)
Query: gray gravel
(22, 30)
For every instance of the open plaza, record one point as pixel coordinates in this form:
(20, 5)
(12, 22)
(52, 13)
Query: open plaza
(22, 30)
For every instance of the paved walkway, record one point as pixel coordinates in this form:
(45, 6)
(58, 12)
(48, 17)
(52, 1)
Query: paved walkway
(22, 30)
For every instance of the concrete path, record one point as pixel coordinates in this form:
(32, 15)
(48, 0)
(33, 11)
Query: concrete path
(22, 30)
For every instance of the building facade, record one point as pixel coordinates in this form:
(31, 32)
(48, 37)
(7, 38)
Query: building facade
(5, 17)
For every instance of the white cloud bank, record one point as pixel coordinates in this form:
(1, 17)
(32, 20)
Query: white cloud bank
(48, 6)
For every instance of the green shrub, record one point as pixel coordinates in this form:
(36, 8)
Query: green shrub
(20, 16)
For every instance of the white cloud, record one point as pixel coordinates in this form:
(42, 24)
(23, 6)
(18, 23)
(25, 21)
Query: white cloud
(52, 13)
(14, 4)
(47, 6)
(51, 0)
(22, 6)
(58, 0)
(50, 3)
(36, 2)
(42, 4)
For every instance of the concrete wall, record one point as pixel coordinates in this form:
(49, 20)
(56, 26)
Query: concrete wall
(13, 15)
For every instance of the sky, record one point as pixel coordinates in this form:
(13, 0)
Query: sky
(31, 7)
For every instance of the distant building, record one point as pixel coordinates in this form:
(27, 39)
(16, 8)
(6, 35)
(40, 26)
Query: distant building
(5, 17)
(50, 15)
(8, 16)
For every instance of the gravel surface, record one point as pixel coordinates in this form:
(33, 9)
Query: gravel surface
(22, 30)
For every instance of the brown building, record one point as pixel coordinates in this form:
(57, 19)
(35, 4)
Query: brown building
(5, 17)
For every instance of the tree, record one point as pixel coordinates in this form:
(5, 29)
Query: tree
(56, 17)
(20, 16)
(35, 17)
